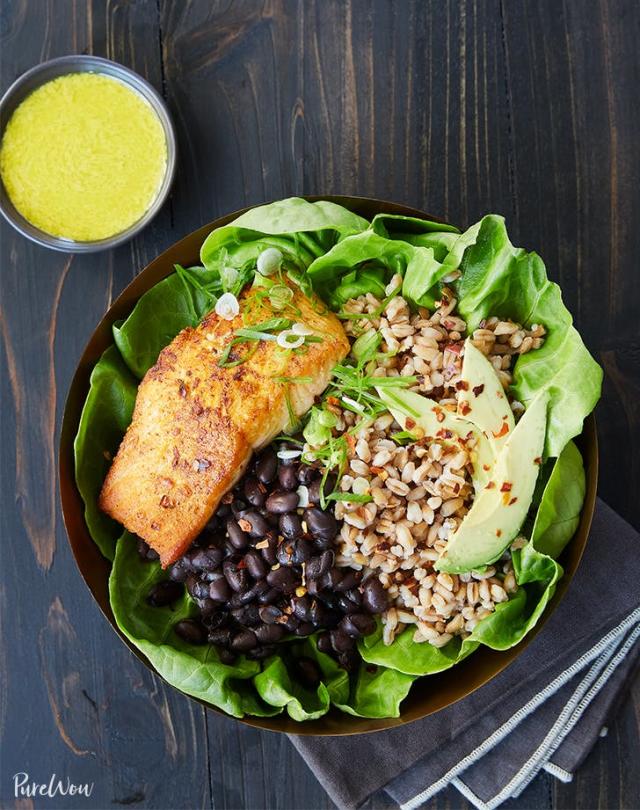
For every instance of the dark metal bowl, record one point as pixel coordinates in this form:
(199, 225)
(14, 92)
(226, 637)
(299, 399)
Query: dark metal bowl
(428, 694)
(81, 63)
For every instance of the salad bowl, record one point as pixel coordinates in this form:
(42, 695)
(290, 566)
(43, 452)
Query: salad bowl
(427, 695)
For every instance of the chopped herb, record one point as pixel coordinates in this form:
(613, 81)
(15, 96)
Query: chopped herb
(349, 496)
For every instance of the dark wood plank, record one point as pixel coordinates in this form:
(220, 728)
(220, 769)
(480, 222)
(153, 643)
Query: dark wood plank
(78, 703)
(526, 109)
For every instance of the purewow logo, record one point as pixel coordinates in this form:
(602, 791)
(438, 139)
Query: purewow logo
(24, 788)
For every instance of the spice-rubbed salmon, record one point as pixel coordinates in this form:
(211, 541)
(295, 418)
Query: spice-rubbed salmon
(196, 424)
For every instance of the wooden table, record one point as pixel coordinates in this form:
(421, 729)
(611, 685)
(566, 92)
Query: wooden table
(529, 109)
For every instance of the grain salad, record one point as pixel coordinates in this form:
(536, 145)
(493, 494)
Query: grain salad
(420, 491)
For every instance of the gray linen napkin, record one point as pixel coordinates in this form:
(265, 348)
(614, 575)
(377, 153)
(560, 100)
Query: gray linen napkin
(545, 711)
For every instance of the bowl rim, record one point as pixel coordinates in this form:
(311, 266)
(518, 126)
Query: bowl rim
(41, 74)
(452, 685)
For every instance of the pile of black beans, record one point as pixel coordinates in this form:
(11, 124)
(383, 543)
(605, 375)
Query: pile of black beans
(264, 568)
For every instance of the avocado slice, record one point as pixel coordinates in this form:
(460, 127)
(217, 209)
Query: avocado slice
(412, 410)
(481, 398)
(500, 509)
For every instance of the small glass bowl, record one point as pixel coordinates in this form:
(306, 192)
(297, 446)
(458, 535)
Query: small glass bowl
(39, 75)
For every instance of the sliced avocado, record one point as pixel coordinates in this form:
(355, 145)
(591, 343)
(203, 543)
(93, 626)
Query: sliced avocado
(482, 400)
(499, 511)
(412, 410)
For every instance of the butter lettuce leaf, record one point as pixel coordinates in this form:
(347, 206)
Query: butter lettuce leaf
(105, 417)
(558, 513)
(194, 669)
(498, 279)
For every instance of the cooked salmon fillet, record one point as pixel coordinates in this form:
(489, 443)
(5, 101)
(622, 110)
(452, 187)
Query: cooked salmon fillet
(195, 424)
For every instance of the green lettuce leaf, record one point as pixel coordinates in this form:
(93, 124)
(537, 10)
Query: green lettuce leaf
(160, 314)
(560, 507)
(194, 669)
(300, 230)
(498, 279)
(277, 688)
(105, 417)
(376, 691)
(365, 263)
(536, 573)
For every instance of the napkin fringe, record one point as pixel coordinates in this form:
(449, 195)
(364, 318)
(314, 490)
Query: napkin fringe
(608, 643)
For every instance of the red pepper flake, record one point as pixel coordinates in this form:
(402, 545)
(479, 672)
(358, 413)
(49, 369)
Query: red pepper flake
(503, 431)
(333, 401)
(490, 485)
(245, 525)
(498, 532)
(155, 526)
(242, 564)
(462, 385)
(410, 423)
(351, 440)
(465, 408)
(197, 408)
(454, 348)
(228, 498)
(537, 460)
(478, 389)
(512, 501)
(176, 457)
(486, 467)
(182, 390)
(506, 487)
(456, 488)
(166, 502)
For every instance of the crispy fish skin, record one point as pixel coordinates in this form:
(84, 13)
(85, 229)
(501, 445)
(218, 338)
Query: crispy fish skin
(195, 424)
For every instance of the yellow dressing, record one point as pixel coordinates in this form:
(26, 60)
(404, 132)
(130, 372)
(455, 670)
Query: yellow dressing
(83, 157)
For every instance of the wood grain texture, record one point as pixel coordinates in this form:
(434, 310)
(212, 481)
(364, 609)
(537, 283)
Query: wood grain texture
(523, 107)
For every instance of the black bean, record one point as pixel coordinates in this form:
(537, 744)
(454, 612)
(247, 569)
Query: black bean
(244, 641)
(266, 466)
(283, 578)
(248, 615)
(292, 623)
(269, 596)
(254, 523)
(318, 566)
(358, 624)
(226, 657)
(350, 580)
(374, 596)
(196, 587)
(219, 589)
(314, 586)
(269, 613)
(354, 595)
(191, 631)
(238, 578)
(332, 579)
(288, 477)
(322, 525)
(220, 637)
(272, 520)
(269, 551)
(238, 507)
(237, 537)
(223, 511)
(258, 653)
(318, 613)
(254, 491)
(285, 552)
(290, 525)
(216, 618)
(207, 607)
(281, 501)
(305, 629)
(307, 474)
(349, 659)
(178, 571)
(347, 606)
(269, 633)
(302, 607)
(308, 672)
(207, 559)
(145, 552)
(256, 565)
(209, 536)
(341, 641)
(324, 643)
(314, 488)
